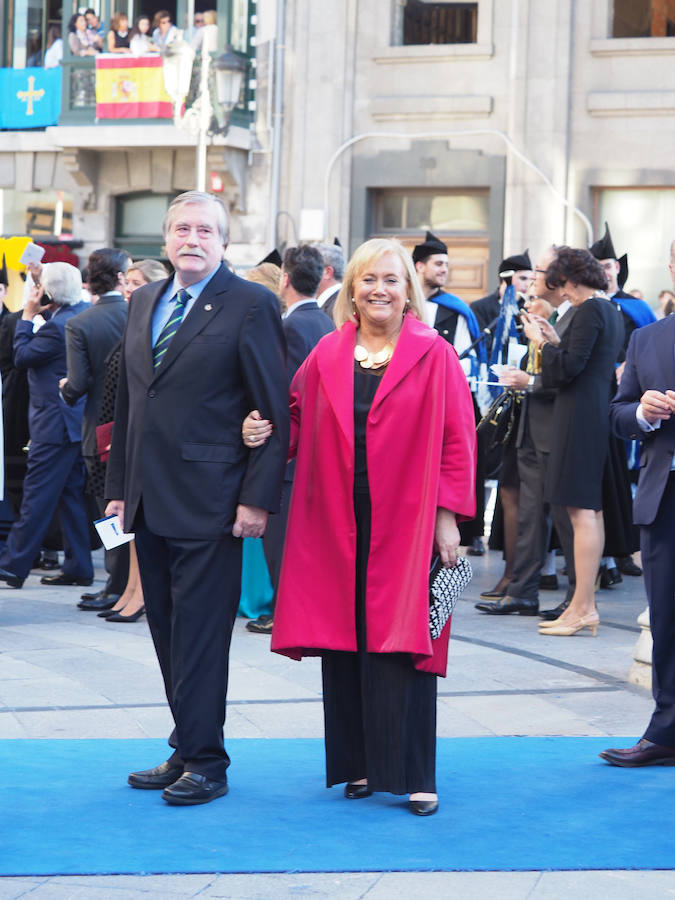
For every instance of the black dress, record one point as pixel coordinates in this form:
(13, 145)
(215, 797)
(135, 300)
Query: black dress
(379, 711)
(582, 368)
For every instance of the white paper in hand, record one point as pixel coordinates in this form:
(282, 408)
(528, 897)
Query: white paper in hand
(111, 532)
(32, 254)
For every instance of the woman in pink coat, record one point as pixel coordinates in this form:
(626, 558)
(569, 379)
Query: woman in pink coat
(382, 425)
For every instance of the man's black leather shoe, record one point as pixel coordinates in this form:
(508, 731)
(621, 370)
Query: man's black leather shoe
(102, 601)
(192, 789)
(548, 582)
(62, 578)
(608, 577)
(555, 613)
(155, 779)
(11, 579)
(509, 605)
(644, 753)
(357, 791)
(477, 547)
(626, 566)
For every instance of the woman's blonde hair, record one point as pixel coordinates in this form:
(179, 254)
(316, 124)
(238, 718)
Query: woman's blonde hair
(366, 255)
(150, 269)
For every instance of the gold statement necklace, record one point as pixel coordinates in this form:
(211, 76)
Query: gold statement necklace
(368, 360)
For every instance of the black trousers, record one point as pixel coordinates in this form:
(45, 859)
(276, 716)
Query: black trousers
(534, 526)
(191, 590)
(657, 544)
(379, 711)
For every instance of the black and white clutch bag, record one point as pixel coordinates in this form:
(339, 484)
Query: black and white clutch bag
(445, 586)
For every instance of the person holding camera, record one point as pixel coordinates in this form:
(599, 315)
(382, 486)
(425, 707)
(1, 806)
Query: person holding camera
(55, 470)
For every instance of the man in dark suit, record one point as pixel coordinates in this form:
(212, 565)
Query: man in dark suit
(304, 325)
(644, 407)
(533, 448)
(200, 350)
(90, 336)
(55, 471)
(331, 277)
(515, 270)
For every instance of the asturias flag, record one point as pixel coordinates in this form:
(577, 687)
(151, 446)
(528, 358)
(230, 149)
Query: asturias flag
(131, 87)
(31, 98)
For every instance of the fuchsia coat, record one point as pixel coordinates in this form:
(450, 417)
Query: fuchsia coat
(420, 441)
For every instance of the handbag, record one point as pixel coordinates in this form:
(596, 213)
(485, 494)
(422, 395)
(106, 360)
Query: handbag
(445, 586)
(103, 440)
(497, 424)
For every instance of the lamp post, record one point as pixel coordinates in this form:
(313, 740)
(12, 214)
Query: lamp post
(229, 70)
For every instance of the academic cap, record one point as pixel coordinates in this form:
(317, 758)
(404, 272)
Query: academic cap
(430, 246)
(273, 257)
(519, 262)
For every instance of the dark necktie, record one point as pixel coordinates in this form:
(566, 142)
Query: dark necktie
(170, 328)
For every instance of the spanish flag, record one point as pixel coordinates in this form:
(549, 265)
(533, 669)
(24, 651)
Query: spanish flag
(131, 87)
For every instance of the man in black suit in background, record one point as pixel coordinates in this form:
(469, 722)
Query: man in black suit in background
(200, 350)
(90, 336)
(331, 277)
(304, 325)
(644, 408)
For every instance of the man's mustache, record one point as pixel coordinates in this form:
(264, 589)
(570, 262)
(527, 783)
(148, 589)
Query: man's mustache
(192, 251)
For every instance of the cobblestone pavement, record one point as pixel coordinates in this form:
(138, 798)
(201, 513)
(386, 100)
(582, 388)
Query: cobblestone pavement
(69, 674)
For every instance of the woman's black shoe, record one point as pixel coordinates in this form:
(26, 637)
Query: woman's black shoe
(423, 807)
(555, 613)
(626, 566)
(608, 577)
(357, 791)
(134, 617)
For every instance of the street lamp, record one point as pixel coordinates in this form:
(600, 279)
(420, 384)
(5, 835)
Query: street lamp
(230, 69)
(229, 72)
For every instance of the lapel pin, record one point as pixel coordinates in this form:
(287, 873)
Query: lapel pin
(208, 307)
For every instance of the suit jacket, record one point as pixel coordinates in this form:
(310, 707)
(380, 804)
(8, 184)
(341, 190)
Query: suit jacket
(90, 336)
(650, 365)
(303, 329)
(329, 304)
(43, 354)
(177, 438)
(536, 416)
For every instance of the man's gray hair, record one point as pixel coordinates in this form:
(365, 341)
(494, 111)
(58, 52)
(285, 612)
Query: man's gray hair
(203, 198)
(62, 282)
(333, 257)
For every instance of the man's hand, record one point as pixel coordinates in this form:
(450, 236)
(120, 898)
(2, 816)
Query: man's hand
(33, 304)
(251, 521)
(115, 508)
(618, 372)
(62, 381)
(515, 378)
(656, 406)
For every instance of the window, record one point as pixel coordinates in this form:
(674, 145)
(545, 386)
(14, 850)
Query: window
(36, 213)
(460, 212)
(439, 23)
(640, 220)
(138, 223)
(643, 18)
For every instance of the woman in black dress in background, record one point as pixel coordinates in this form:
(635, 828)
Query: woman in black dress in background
(581, 365)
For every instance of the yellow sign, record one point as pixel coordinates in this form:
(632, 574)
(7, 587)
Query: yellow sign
(30, 95)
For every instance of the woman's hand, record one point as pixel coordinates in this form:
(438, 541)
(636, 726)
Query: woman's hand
(539, 330)
(446, 537)
(255, 431)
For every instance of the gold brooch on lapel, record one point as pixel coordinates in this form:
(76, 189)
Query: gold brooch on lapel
(208, 307)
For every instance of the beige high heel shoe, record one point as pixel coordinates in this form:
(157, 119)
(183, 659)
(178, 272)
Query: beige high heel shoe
(567, 629)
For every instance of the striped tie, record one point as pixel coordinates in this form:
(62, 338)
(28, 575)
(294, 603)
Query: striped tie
(170, 328)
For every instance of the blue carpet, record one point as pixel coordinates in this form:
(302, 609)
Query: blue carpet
(506, 804)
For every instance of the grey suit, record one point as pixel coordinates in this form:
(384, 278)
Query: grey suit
(534, 514)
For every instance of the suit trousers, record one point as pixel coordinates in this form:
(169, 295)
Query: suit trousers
(54, 482)
(273, 539)
(534, 525)
(191, 590)
(657, 544)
